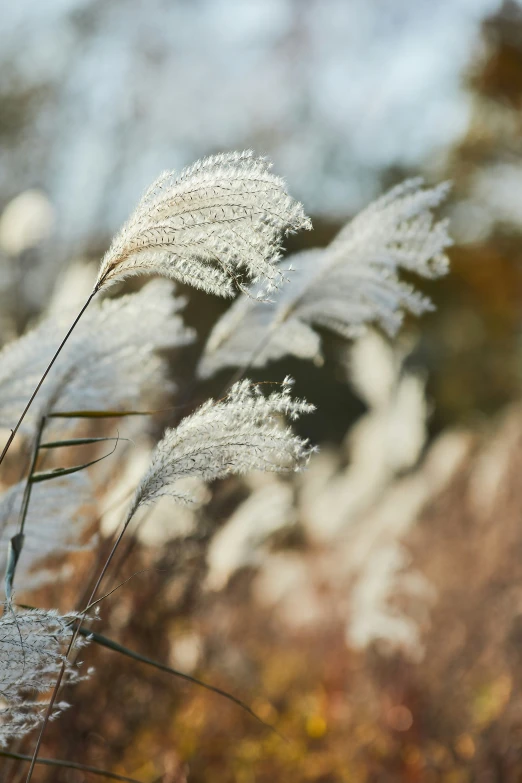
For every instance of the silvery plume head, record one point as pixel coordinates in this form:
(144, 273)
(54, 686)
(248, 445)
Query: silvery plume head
(32, 646)
(237, 434)
(353, 282)
(111, 359)
(216, 224)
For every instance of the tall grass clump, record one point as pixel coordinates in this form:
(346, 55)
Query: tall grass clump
(218, 226)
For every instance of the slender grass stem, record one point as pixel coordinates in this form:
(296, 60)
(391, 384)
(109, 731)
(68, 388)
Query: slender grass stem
(70, 765)
(44, 376)
(61, 673)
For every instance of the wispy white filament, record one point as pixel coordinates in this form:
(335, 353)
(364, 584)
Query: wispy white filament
(215, 224)
(353, 282)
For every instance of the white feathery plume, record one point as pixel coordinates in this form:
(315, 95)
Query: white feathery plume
(350, 284)
(240, 433)
(32, 645)
(123, 366)
(56, 519)
(110, 360)
(250, 333)
(217, 222)
(241, 540)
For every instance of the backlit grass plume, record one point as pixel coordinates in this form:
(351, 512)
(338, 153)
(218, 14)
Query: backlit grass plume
(349, 284)
(110, 361)
(240, 433)
(32, 645)
(216, 223)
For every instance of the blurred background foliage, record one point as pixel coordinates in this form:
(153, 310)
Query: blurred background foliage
(377, 618)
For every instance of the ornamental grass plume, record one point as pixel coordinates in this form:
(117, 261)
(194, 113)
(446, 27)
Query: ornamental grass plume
(217, 226)
(110, 361)
(353, 282)
(219, 222)
(240, 433)
(32, 647)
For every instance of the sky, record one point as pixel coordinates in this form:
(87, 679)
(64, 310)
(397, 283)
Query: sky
(109, 93)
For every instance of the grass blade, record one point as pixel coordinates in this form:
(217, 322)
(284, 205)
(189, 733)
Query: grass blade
(70, 765)
(97, 414)
(13, 555)
(58, 472)
(56, 444)
(112, 645)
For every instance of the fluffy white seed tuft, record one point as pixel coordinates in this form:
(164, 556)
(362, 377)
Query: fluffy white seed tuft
(352, 283)
(32, 645)
(110, 360)
(243, 432)
(218, 222)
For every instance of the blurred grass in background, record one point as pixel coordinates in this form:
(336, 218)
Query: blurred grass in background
(347, 97)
